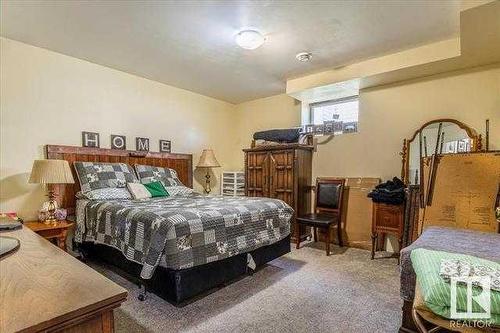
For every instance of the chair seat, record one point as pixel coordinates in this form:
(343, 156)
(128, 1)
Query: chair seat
(317, 220)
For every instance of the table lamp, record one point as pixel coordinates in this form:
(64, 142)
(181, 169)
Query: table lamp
(51, 172)
(208, 160)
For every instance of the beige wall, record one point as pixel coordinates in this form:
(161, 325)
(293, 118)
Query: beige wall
(387, 115)
(280, 111)
(49, 98)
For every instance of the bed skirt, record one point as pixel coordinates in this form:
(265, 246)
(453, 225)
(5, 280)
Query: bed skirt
(179, 287)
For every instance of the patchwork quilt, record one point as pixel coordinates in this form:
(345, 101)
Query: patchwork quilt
(187, 230)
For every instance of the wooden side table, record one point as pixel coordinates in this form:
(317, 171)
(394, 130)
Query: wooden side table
(57, 232)
(387, 219)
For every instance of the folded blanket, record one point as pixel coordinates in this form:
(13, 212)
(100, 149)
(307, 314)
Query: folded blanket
(436, 292)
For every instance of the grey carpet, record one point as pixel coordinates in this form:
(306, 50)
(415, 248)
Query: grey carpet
(304, 291)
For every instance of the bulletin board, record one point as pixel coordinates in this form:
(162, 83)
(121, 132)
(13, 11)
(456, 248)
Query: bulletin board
(465, 191)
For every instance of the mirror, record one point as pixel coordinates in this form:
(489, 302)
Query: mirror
(455, 137)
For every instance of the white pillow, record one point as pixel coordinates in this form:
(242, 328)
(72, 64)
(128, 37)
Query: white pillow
(109, 193)
(138, 191)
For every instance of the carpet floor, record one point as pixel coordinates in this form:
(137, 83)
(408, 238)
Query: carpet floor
(303, 291)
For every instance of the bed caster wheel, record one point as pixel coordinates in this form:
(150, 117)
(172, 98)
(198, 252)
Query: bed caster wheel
(142, 295)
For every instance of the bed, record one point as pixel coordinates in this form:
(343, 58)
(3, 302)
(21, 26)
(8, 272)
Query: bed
(474, 243)
(179, 246)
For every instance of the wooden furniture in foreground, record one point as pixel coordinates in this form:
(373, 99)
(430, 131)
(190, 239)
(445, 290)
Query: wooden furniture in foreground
(327, 210)
(283, 172)
(387, 219)
(56, 232)
(44, 289)
(181, 163)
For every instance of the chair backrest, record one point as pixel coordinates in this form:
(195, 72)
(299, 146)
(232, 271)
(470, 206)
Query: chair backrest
(329, 192)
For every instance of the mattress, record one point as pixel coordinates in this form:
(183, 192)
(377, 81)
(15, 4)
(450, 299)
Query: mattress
(182, 231)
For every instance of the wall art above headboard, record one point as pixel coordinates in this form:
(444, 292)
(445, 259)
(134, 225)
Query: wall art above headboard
(182, 163)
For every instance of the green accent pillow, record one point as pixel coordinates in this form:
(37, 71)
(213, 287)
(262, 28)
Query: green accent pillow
(156, 189)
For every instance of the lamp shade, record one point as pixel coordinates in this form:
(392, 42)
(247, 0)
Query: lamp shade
(208, 160)
(51, 172)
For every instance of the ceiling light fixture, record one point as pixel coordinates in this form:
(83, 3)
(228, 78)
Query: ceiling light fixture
(249, 39)
(304, 56)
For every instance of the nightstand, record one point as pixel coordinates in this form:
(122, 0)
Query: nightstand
(57, 232)
(387, 219)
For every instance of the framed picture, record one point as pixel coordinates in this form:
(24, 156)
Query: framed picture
(462, 146)
(450, 147)
(349, 127)
(319, 129)
(142, 144)
(118, 142)
(329, 127)
(165, 146)
(338, 126)
(309, 129)
(90, 139)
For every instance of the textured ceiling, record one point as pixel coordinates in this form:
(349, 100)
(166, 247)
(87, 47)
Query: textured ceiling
(190, 44)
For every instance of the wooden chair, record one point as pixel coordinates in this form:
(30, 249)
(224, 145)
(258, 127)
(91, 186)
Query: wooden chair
(327, 210)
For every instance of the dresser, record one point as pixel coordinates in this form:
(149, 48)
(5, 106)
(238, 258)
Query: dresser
(282, 172)
(44, 289)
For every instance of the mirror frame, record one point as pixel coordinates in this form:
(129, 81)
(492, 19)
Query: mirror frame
(405, 153)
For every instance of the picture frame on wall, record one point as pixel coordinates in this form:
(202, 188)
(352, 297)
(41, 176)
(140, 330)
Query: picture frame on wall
(165, 146)
(90, 139)
(319, 129)
(329, 127)
(309, 129)
(118, 142)
(142, 144)
(451, 147)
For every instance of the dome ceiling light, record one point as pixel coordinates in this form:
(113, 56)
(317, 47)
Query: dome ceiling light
(249, 39)
(304, 56)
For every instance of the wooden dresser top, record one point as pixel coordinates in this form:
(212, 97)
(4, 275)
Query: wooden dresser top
(41, 286)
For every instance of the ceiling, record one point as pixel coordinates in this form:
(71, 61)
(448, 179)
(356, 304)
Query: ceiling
(190, 44)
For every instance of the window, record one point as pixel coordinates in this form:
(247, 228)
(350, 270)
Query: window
(338, 116)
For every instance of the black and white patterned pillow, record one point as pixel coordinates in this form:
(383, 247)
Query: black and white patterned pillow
(96, 175)
(110, 193)
(147, 174)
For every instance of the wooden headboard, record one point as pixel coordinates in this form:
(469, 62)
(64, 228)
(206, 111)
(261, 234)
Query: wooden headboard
(182, 163)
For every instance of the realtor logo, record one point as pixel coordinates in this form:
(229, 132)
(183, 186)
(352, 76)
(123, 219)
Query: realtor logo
(479, 296)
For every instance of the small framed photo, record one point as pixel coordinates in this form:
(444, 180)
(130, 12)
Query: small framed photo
(142, 144)
(338, 126)
(165, 146)
(309, 129)
(90, 139)
(319, 129)
(349, 127)
(450, 147)
(329, 127)
(462, 146)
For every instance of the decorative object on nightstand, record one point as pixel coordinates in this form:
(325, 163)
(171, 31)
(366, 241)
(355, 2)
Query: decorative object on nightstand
(53, 232)
(208, 161)
(232, 183)
(51, 172)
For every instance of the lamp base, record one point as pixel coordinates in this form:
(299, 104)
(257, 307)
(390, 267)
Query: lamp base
(207, 183)
(51, 209)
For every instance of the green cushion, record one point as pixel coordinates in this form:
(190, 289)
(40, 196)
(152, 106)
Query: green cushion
(436, 292)
(156, 189)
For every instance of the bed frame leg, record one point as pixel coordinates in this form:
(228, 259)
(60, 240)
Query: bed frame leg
(144, 292)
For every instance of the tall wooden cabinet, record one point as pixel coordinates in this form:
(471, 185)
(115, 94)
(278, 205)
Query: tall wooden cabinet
(283, 172)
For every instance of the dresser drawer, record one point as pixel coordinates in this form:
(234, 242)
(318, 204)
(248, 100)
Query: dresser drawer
(388, 216)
